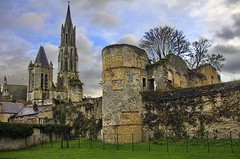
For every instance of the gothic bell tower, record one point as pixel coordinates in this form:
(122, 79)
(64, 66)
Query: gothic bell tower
(68, 77)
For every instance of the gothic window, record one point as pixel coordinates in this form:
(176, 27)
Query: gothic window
(46, 82)
(42, 80)
(66, 38)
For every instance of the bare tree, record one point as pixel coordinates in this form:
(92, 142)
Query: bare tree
(198, 51)
(160, 41)
(216, 60)
(198, 55)
(180, 45)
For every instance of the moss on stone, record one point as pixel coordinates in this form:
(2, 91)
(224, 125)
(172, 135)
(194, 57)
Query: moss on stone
(75, 82)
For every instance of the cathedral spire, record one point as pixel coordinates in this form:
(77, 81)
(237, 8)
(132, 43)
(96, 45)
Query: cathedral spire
(68, 22)
(68, 31)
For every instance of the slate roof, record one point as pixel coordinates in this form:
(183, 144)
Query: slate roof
(28, 110)
(41, 57)
(12, 108)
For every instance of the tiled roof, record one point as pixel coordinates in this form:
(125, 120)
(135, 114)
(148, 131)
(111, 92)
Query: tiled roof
(28, 110)
(12, 108)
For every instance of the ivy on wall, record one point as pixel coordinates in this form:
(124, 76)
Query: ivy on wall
(176, 110)
(19, 130)
(15, 130)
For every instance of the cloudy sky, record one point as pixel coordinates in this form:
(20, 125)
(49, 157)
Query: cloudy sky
(28, 24)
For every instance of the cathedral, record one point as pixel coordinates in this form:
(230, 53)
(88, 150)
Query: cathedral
(40, 73)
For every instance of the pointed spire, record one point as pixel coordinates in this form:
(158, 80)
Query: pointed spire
(41, 57)
(68, 21)
(5, 80)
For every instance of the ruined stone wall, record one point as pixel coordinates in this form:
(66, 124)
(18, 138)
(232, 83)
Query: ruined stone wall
(84, 117)
(195, 111)
(123, 77)
(169, 73)
(210, 73)
(75, 93)
(172, 72)
(59, 95)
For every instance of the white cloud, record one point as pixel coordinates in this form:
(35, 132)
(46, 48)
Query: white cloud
(129, 39)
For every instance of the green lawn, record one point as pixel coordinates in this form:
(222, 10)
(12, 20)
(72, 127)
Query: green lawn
(197, 149)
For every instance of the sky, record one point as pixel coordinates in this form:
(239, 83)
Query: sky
(28, 24)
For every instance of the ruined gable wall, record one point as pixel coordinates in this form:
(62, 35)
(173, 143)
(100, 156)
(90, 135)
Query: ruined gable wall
(210, 73)
(169, 73)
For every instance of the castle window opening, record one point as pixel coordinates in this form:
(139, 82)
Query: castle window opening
(42, 80)
(144, 82)
(46, 82)
(151, 84)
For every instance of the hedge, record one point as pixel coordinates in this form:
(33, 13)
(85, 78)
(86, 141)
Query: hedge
(17, 130)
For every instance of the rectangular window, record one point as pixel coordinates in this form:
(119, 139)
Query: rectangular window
(144, 82)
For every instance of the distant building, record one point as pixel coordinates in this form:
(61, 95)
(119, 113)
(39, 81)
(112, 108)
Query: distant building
(13, 92)
(9, 109)
(20, 113)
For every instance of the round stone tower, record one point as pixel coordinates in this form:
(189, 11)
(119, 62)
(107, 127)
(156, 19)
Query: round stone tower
(124, 76)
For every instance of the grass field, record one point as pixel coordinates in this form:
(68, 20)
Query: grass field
(194, 149)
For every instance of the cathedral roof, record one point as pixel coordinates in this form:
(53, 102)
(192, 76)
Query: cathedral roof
(41, 57)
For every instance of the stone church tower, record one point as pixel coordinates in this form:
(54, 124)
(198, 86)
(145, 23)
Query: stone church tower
(40, 77)
(68, 77)
(68, 57)
(69, 86)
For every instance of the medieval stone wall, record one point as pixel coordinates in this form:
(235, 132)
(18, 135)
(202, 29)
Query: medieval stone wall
(36, 138)
(194, 111)
(124, 76)
(172, 72)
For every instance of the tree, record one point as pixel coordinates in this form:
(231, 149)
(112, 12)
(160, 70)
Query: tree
(198, 51)
(198, 55)
(160, 41)
(216, 60)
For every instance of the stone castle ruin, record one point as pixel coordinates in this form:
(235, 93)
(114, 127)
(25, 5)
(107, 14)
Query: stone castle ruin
(126, 73)
(139, 97)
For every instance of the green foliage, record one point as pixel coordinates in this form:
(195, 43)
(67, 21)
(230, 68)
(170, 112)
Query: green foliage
(160, 62)
(52, 128)
(62, 117)
(15, 130)
(201, 130)
(84, 126)
(177, 150)
(75, 82)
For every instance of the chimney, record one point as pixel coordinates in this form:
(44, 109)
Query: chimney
(35, 107)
